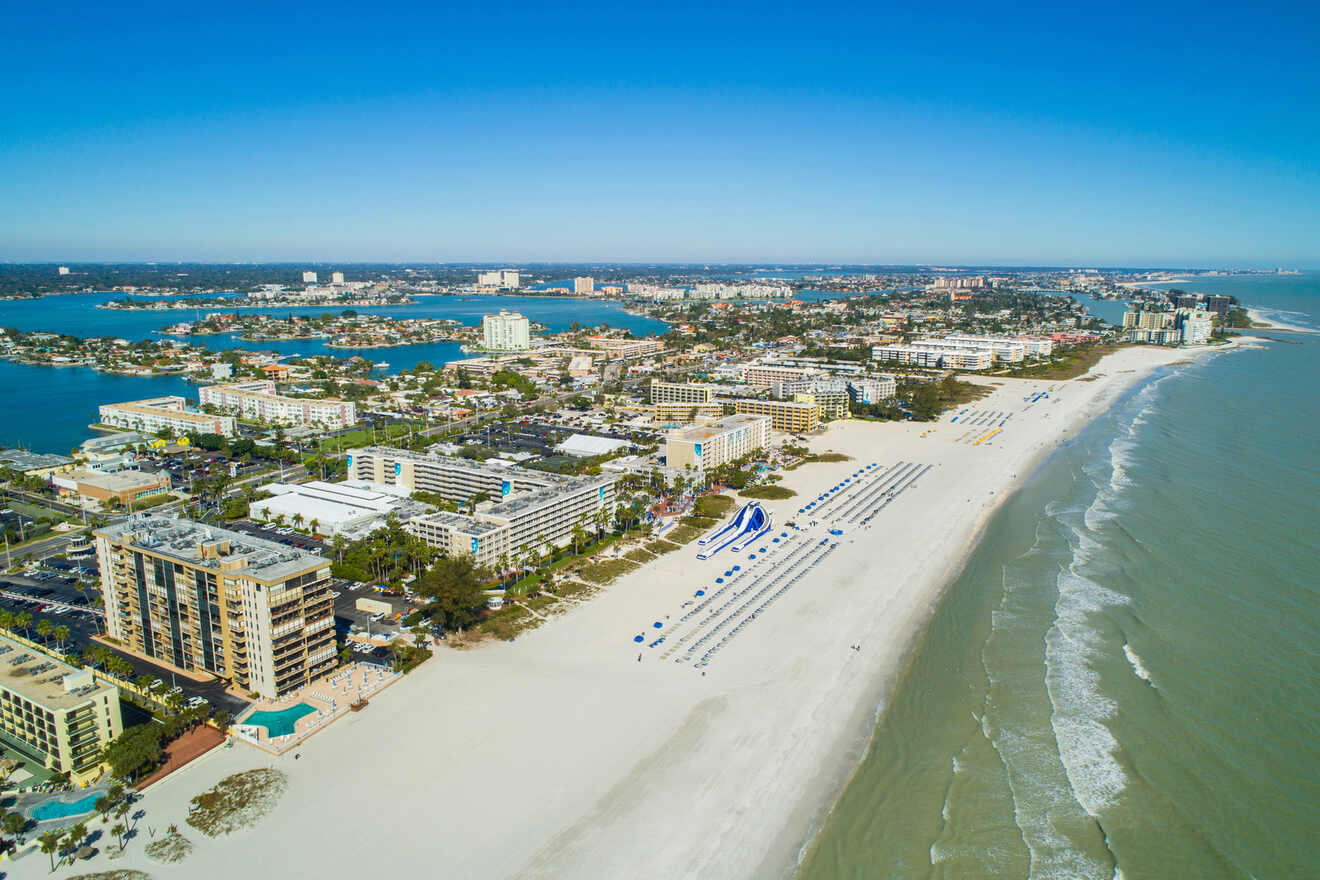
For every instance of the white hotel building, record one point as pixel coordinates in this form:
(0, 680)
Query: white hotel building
(258, 400)
(528, 509)
(924, 354)
(709, 446)
(154, 413)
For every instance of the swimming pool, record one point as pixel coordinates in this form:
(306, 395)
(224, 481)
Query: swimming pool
(58, 809)
(279, 723)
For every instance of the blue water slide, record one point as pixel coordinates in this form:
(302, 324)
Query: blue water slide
(752, 522)
(736, 523)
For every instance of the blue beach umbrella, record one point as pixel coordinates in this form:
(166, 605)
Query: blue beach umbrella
(639, 638)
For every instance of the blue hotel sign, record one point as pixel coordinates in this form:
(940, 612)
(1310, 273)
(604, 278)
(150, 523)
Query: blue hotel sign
(476, 542)
(505, 488)
(698, 449)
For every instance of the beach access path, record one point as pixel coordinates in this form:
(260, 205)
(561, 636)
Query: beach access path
(561, 755)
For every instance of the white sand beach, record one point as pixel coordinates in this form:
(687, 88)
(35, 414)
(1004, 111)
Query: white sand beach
(1261, 322)
(560, 755)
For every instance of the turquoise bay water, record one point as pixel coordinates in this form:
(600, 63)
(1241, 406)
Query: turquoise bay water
(280, 723)
(1123, 682)
(48, 408)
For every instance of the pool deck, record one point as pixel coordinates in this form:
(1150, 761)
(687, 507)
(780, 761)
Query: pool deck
(331, 697)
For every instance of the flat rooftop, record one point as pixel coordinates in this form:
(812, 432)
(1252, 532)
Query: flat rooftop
(40, 678)
(723, 426)
(22, 460)
(199, 545)
(120, 481)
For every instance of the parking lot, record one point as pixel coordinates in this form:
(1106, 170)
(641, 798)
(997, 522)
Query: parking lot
(349, 620)
(55, 596)
(285, 535)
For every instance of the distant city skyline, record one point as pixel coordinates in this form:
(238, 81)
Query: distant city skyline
(587, 133)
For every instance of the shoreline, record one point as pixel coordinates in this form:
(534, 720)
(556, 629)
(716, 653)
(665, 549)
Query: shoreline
(1260, 322)
(867, 722)
(603, 763)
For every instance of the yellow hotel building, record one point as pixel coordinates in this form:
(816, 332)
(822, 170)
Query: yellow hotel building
(54, 714)
(785, 415)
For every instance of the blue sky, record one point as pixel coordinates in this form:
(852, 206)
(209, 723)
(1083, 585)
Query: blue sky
(1172, 135)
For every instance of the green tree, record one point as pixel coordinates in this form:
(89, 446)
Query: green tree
(50, 844)
(44, 629)
(14, 823)
(119, 830)
(454, 587)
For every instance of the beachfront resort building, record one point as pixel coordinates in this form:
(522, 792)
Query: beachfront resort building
(206, 599)
(515, 509)
(156, 413)
(1160, 327)
(57, 715)
(793, 416)
(950, 357)
(259, 402)
(585, 284)
(507, 331)
(709, 446)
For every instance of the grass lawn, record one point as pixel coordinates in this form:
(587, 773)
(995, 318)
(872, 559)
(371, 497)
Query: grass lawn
(363, 437)
(660, 545)
(640, 555)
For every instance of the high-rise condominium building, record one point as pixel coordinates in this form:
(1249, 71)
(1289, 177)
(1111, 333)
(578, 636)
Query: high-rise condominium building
(202, 598)
(309, 278)
(507, 331)
(584, 285)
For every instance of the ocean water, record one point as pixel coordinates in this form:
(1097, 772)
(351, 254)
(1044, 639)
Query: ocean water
(1125, 680)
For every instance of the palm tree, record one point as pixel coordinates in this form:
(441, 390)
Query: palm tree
(118, 831)
(297, 520)
(22, 620)
(77, 834)
(579, 534)
(61, 635)
(339, 544)
(6, 619)
(44, 629)
(314, 525)
(50, 844)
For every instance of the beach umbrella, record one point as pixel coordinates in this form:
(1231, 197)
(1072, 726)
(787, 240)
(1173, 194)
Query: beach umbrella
(639, 638)
(658, 624)
(701, 592)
